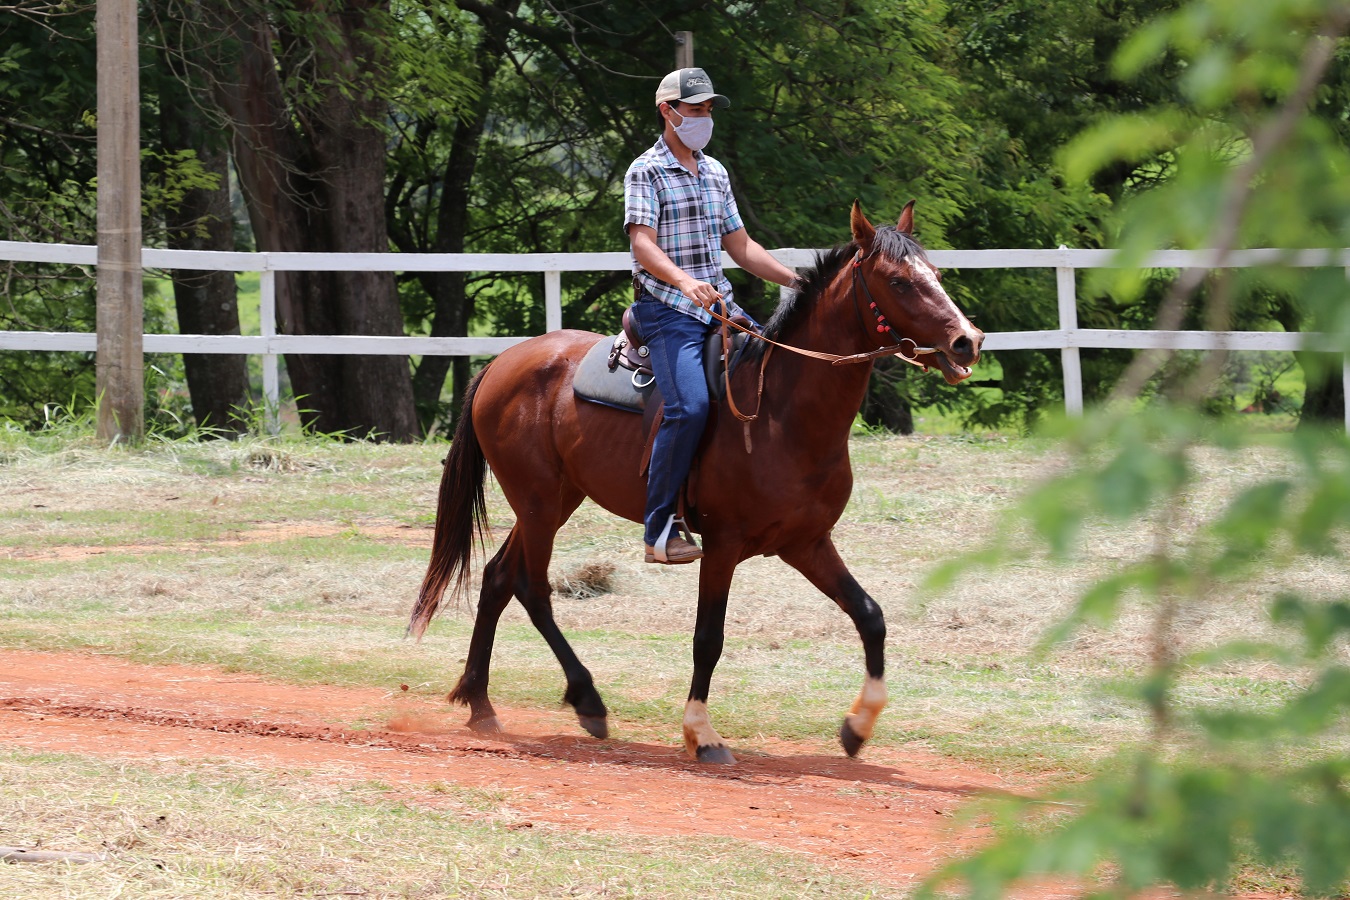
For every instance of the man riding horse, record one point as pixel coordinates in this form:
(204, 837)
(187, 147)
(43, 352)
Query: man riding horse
(774, 486)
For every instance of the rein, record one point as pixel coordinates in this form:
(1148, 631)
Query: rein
(836, 359)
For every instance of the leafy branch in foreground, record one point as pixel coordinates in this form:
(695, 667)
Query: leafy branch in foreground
(1214, 789)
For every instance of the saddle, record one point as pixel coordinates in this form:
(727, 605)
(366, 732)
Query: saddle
(617, 372)
(630, 351)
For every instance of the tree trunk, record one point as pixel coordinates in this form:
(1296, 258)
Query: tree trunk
(1324, 390)
(313, 179)
(452, 306)
(207, 302)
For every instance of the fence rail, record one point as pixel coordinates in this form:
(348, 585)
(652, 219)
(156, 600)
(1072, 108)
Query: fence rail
(1068, 338)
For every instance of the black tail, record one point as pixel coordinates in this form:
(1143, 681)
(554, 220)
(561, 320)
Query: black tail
(461, 515)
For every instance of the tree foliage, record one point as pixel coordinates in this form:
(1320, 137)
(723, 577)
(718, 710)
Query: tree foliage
(498, 125)
(831, 100)
(1212, 790)
(46, 166)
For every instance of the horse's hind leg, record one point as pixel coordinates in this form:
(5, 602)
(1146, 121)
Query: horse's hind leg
(821, 565)
(520, 568)
(499, 580)
(535, 594)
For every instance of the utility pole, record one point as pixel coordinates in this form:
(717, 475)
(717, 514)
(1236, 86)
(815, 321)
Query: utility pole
(119, 359)
(684, 49)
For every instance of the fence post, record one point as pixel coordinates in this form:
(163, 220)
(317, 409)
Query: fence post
(1068, 323)
(119, 358)
(267, 315)
(552, 300)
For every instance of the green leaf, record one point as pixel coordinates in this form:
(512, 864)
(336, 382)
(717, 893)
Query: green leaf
(1126, 138)
(1321, 623)
(1137, 477)
(1247, 526)
(1100, 603)
(1145, 46)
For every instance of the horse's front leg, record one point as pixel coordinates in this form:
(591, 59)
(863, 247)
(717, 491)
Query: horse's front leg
(701, 740)
(821, 565)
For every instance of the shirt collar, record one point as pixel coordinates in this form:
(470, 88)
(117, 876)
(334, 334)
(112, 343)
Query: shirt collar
(668, 156)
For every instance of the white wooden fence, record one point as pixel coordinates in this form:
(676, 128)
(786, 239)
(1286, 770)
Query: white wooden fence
(1068, 338)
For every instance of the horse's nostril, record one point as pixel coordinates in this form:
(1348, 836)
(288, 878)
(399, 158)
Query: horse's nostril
(962, 345)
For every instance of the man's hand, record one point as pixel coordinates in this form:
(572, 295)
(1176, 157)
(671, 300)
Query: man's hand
(702, 293)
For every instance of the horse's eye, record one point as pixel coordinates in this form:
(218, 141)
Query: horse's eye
(899, 283)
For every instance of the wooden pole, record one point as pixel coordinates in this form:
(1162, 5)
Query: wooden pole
(120, 319)
(684, 49)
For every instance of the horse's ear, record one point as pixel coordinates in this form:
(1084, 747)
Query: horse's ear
(906, 223)
(863, 232)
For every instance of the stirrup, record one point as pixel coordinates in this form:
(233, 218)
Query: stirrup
(658, 550)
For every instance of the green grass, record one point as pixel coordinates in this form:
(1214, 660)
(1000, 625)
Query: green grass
(297, 561)
(196, 567)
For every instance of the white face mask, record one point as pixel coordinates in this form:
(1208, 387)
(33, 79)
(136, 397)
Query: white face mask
(695, 131)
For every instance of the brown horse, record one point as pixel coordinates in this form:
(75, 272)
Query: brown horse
(549, 450)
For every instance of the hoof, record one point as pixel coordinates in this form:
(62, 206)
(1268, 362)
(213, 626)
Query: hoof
(850, 739)
(596, 726)
(716, 754)
(485, 725)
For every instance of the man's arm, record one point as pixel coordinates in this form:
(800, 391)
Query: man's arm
(751, 256)
(657, 264)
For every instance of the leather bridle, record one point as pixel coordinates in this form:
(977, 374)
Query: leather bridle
(837, 359)
(883, 326)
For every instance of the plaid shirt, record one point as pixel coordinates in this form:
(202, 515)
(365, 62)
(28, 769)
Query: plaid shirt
(690, 214)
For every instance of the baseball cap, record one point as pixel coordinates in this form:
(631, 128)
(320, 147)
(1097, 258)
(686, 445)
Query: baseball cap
(691, 86)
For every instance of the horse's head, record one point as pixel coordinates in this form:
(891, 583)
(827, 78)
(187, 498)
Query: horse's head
(906, 292)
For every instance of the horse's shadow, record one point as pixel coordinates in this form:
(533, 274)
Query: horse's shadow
(752, 766)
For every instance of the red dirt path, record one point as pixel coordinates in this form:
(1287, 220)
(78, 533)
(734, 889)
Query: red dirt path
(886, 817)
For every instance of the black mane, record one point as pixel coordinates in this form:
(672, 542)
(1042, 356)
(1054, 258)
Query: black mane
(895, 245)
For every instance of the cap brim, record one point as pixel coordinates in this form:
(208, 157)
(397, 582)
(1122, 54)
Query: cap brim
(719, 102)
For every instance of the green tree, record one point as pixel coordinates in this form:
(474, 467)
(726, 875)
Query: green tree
(46, 166)
(196, 216)
(47, 170)
(1212, 789)
(304, 90)
(831, 101)
(1036, 74)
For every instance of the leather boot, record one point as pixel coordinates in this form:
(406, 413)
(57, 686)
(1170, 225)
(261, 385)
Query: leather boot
(678, 551)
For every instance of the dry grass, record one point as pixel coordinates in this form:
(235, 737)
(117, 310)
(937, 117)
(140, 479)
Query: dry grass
(302, 561)
(222, 832)
(591, 580)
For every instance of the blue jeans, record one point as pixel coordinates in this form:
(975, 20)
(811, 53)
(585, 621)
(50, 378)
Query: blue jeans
(676, 344)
